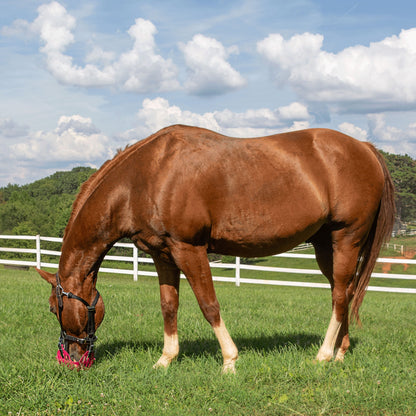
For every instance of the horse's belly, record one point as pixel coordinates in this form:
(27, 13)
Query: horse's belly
(262, 240)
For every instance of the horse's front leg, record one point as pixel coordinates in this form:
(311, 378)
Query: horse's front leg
(193, 261)
(169, 276)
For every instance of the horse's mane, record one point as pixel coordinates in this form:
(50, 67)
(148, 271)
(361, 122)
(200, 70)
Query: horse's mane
(88, 187)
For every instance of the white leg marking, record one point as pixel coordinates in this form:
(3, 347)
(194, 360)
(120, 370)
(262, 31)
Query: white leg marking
(340, 355)
(170, 350)
(326, 352)
(228, 348)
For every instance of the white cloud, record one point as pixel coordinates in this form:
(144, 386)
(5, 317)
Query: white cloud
(353, 131)
(209, 71)
(75, 139)
(140, 69)
(98, 55)
(384, 133)
(263, 117)
(19, 28)
(294, 111)
(359, 78)
(54, 25)
(387, 137)
(158, 113)
(390, 138)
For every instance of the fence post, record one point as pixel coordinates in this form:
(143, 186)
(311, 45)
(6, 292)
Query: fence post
(135, 263)
(237, 271)
(38, 255)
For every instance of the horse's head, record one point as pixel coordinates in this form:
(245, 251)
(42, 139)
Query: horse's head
(79, 309)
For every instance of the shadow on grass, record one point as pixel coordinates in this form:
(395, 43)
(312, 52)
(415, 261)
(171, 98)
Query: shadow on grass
(205, 346)
(261, 344)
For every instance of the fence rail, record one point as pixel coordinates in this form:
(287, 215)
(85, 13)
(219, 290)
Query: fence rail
(135, 260)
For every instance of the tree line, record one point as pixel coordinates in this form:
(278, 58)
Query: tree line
(43, 207)
(403, 172)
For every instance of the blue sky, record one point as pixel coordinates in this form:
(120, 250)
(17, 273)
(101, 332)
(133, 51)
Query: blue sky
(80, 79)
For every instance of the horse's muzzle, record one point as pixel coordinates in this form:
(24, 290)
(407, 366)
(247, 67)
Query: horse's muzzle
(86, 361)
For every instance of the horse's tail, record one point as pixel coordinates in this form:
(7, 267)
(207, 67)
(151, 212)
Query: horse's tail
(380, 233)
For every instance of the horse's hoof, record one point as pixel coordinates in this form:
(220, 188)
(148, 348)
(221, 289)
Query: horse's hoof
(324, 356)
(163, 362)
(340, 356)
(229, 367)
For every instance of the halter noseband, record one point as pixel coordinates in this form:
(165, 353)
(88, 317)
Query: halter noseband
(90, 329)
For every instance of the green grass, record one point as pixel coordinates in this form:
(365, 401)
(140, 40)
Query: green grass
(278, 331)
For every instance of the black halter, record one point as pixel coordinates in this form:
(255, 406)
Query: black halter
(90, 329)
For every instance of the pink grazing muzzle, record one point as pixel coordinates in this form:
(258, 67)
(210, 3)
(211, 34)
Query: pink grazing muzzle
(62, 355)
(86, 361)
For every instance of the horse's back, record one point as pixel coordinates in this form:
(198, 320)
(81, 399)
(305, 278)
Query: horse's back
(322, 158)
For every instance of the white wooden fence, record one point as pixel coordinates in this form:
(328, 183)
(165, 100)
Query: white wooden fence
(37, 253)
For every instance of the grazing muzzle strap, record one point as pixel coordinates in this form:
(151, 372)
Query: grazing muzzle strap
(90, 328)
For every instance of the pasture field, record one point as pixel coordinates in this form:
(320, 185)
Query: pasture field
(278, 331)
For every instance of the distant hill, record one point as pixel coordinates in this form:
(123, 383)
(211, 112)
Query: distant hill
(43, 207)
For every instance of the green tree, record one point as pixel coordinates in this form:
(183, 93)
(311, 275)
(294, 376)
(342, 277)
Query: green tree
(403, 172)
(42, 207)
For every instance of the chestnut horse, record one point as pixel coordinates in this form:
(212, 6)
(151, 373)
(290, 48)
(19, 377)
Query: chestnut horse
(186, 191)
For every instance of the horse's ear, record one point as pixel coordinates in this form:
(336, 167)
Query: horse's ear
(49, 277)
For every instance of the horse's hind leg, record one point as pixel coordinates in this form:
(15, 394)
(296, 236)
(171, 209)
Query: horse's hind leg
(169, 275)
(193, 261)
(343, 340)
(337, 258)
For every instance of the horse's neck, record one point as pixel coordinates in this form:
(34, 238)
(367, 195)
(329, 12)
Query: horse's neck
(86, 242)
(81, 258)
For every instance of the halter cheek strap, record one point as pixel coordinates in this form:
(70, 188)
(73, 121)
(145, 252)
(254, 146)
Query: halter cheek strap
(90, 328)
